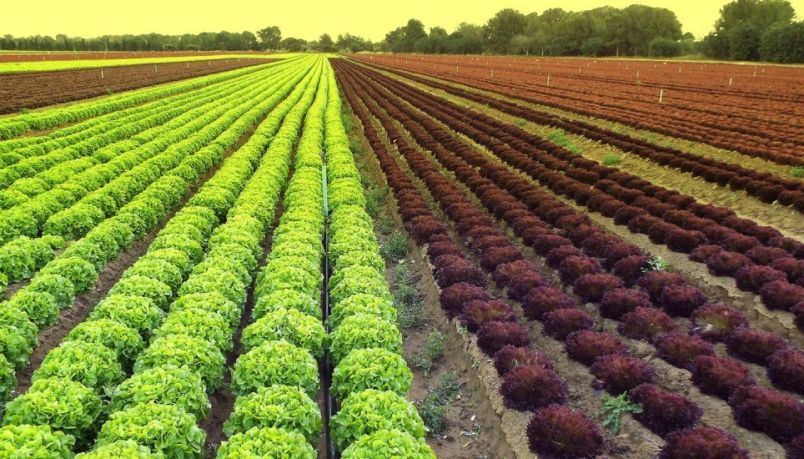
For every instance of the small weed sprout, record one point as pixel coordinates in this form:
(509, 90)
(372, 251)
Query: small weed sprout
(797, 171)
(614, 408)
(656, 263)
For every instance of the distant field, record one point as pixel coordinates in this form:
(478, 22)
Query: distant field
(46, 66)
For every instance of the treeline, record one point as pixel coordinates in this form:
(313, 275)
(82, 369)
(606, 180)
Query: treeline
(746, 30)
(750, 30)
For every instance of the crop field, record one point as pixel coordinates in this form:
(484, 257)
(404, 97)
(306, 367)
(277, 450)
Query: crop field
(402, 256)
(34, 63)
(20, 91)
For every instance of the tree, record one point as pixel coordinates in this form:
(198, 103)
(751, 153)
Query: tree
(326, 44)
(270, 37)
(741, 26)
(353, 43)
(405, 39)
(503, 27)
(783, 43)
(467, 39)
(293, 45)
(437, 40)
(664, 47)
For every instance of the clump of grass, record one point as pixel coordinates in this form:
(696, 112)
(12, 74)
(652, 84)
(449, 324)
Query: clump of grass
(614, 408)
(433, 350)
(433, 408)
(558, 137)
(407, 300)
(374, 200)
(395, 247)
(385, 224)
(521, 122)
(797, 171)
(611, 160)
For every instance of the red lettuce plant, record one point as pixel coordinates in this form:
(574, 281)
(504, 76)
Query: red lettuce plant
(754, 345)
(620, 373)
(492, 336)
(645, 323)
(529, 387)
(454, 297)
(592, 287)
(620, 301)
(476, 313)
(779, 415)
(585, 346)
(510, 357)
(542, 300)
(719, 376)
(680, 350)
(716, 321)
(680, 300)
(664, 411)
(561, 322)
(702, 443)
(560, 432)
(786, 369)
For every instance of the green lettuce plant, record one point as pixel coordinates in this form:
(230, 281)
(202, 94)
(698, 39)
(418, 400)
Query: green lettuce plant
(59, 286)
(287, 299)
(275, 362)
(280, 406)
(162, 428)
(136, 285)
(383, 444)
(41, 307)
(80, 272)
(198, 323)
(125, 341)
(35, 442)
(123, 449)
(13, 346)
(157, 269)
(65, 405)
(362, 331)
(8, 380)
(92, 364)
(374, 368)
(195, 354)
(210, 301)
(295, 327)
(166, 384)
(136, 312)
(362, 303)
(366, 412)
(266, 442)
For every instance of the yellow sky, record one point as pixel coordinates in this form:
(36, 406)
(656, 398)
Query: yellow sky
(299, 18)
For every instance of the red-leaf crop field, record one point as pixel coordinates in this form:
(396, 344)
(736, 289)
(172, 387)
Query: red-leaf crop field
(403, 256)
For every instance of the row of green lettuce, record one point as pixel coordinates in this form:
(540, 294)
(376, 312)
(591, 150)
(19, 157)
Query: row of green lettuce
(184, 297)
(370, 378)
(276, 378)
(77, 204)
(17, 125)
(76, 269)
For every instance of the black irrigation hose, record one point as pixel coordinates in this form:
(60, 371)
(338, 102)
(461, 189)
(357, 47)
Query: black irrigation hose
(326, 376)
